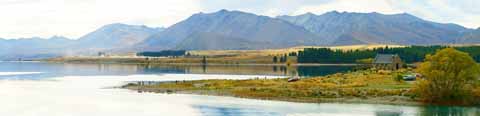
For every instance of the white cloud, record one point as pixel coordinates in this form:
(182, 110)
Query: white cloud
(364, 6)
(461, 12)
(74, 18)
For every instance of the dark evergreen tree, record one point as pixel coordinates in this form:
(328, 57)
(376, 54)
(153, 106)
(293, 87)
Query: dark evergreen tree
(204, 60)
(163, 53)
(408, 54)
(275, 59)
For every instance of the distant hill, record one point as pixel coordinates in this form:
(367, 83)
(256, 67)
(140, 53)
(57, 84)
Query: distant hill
(471, 37)
(373, 28)
(114, 37)
(33, 47)
(231, 30)
(225, 30)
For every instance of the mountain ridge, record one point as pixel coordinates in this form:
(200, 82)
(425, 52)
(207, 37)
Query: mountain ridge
(114, 37)
(471, 37)
(376, 28)
(237, 30)
(234, 24)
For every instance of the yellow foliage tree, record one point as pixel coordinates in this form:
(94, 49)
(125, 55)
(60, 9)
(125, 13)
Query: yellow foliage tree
(448, 76)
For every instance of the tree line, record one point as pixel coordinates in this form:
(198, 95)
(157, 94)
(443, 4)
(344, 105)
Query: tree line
(409, 54)
(281, 59)
(163, 53)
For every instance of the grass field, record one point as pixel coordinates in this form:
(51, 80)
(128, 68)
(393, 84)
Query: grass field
(216, 56)
(271, 52)
(366, 86)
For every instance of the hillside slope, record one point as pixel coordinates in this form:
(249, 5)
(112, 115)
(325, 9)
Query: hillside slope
(249, 30)
(374, 28)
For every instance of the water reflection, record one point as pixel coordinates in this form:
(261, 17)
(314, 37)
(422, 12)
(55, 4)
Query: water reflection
(389, 113)
(232, 111)
(61, 92)
(433, 110)
(449, 111)
(66, 69)
(307, 71)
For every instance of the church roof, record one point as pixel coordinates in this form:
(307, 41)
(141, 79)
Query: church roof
(384, 58)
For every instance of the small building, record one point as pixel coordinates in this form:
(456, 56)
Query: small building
(387, 62)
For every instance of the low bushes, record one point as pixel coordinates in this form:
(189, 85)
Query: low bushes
(361, 84)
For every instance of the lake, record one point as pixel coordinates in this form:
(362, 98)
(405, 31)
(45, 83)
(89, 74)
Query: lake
(65, 69)
(57, 89)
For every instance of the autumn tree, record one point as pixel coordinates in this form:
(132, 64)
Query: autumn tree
(448, 76)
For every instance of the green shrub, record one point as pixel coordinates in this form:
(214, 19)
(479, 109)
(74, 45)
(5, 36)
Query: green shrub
(448, 77)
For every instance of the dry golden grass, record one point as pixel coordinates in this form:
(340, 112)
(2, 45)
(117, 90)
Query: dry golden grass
(363, 47)
(271, 52)
(216, 56)
(463, 45)
(360, 84)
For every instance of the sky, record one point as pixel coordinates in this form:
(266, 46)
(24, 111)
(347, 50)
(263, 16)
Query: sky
(75, 18)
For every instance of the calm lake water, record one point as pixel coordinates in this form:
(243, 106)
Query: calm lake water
(57, 89)
(64, 69)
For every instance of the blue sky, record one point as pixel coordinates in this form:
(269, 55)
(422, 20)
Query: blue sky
(74, 18)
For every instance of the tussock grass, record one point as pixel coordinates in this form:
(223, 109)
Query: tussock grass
(269, 52)
(360, 84)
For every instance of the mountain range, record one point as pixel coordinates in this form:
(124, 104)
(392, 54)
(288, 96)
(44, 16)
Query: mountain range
(114, 37)
(236, 30)
(374, 28)
(32, 47)
(231, 30)
(470, 37)
(109, 38)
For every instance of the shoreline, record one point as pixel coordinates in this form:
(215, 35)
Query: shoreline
(390, 100)
(366, 86)
(213, 64)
